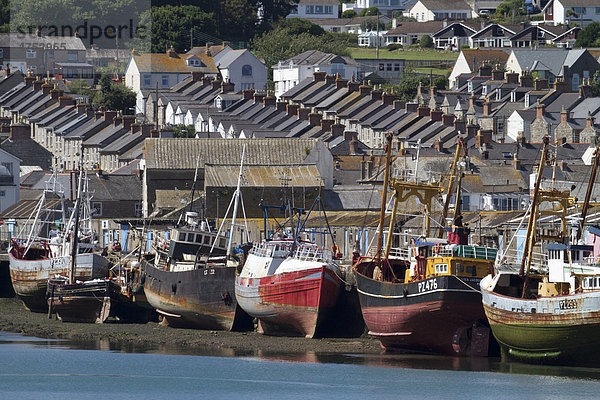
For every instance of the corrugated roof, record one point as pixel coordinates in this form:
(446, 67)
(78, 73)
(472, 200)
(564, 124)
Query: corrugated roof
(262, 176)
(183, 153)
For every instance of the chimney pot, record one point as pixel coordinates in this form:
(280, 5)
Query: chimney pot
(319, 76)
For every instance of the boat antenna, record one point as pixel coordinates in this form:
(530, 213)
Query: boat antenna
(588, 193)
(386, 177)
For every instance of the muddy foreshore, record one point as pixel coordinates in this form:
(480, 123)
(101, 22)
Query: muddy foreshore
(15, 318)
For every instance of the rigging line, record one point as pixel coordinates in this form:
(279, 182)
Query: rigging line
(466, 284)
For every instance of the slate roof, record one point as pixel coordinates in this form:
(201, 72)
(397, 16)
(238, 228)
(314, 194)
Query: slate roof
(21, 40)
(183, 153)
(163, 63)
(316, 57)
(404, 28)
(29, 151)
(445, 4)
(106, 187)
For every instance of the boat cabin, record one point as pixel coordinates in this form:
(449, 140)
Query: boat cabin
(566, 260)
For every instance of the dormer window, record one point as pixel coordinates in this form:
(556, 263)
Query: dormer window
(194, 62)
(246, 70)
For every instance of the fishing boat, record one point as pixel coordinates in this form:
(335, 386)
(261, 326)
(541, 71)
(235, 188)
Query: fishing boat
(422, 293)
(290, 285)
(193, 286)
(545, 307)
(46, 253)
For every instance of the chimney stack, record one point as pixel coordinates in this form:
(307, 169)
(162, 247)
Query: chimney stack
(387, 99)
(448, 119)
(64, 101)
(117, 120)
(497, 75)
(326, 124)
(281, 106)
(46, 88)
(197, 75)
(128, 121)
(56, 93)
(82, 108)
(526, 79)
(269, 100)
(292, 109)
(216, 83)
(37, 85)
(319, 76)
(540, 84)
(20, 131)
(364, 90)
(314, 118)
(540, 110)
(585, 90)
(487, 107)
(303, 113)
(376, 94)
(435, 115)
(353, 86)
(560, 86)
(330, 79)
(337, 130)
(248, 94)
(564, 115)
(258, 97)
(512, 77)
(398, 105)
(341, 83)
(422, 111)
(109, 115)
(227, 87)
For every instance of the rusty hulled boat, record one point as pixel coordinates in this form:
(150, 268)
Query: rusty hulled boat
(191, 284)
(545, 307)
(421, 294)
(45, 254)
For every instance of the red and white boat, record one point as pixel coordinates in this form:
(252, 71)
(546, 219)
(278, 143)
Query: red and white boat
(290, 287)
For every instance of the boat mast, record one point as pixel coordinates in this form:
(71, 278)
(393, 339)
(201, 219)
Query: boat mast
(588, 193)
(528, 246)
(386, 179)
(449, 191)
(75, 232)
(236, 203)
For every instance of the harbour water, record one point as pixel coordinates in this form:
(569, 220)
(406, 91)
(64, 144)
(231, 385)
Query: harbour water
(32, 368)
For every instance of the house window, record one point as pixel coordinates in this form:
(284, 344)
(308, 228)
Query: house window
(247, 70)
(147, 80)
(1, 53)
(2, 193)
(597, 10)
(310, 9)
(50, 53)
(72, 55)
(165, 80)
(550, 10)
(30, 53)
(138, 210)
(294, 10)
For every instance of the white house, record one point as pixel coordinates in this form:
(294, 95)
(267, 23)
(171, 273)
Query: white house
(372, 39)
(147, 71)
(582, 12)
(242, 68)
(384, 6)
(469, 61)
(432, 10)
(287, 74)
(519, 122)
(315, 9)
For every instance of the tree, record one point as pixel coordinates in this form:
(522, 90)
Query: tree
(111, 95)
(273, 11)
(371, 25)
(184, 131)
(508, 8)
(369, 11)
(589, 36)
(238, 19)
(281, 44)
(349, 14)
(297, 26)
(426, 41)
(440, 82)
(171, 26)
(407, 86)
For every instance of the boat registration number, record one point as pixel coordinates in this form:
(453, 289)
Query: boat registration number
(425, 286)
(567, 304)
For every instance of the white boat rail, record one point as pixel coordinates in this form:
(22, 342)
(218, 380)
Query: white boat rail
(312, 253)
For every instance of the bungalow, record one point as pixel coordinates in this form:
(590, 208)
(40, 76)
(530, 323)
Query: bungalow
(434, 10)
(493, 35)
(564, 12)
(454, 36)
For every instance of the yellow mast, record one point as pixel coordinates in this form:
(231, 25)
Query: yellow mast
(386, 178)
(449, 191)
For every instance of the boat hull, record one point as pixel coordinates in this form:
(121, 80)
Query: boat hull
(203, 298)
(567, 334)
(292, 303)
(30, 277)
(434, 315)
